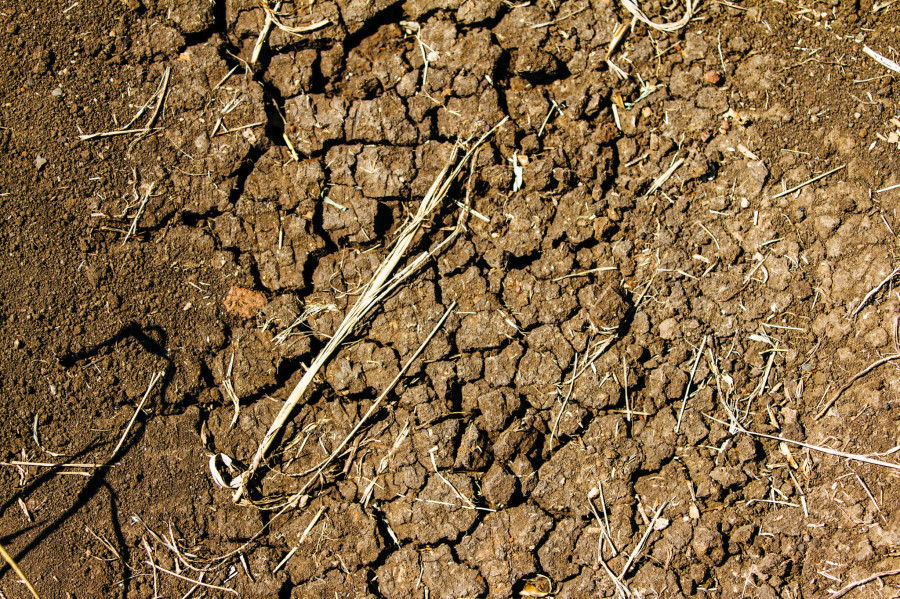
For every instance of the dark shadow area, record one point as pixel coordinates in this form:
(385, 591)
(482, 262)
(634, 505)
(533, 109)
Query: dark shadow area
(153, 341)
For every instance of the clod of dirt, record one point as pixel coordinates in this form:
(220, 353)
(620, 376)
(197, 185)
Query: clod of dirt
(314, 120)
(709, 546)
(254, 364)
(516, 33)
(498, 486)
(281, 245)
(188, 17)
(380, 120)
(407, 570)
(712, 77)
(292, 72)
(294, 186)
(442, 512)
(354, 584)
(351, 217)
(353, 542)
(503, 547)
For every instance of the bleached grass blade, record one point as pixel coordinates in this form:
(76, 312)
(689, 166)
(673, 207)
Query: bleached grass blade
(688, 388)
(380, 285)
(882, 60)
(153, 380)
(737, 427)
(340, 447)
(633, 8)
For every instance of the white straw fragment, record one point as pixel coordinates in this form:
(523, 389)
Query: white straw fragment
(687, 389)
(810, 182)
(153, 380)
(660, 181)
(882, 60)
(633, 8)
(381, 284)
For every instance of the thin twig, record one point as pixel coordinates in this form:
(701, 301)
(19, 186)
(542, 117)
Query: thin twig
(736, 426)
(640, 546)
(866, 580)
(856, 377)
(383, 464)
(153, 380)
(378, 287)
(17, 463)
(192, 581)
(110, 133)
(584, 273)
(564, 404)
(661, 180)
(225, 130)
(565, 16)
(134, 222)
(337, 450)
(225, 78)
(877, 288)
(758, 391)
(159, 95)
(164, 87)
(152, 566)
(687, 389)
(453, 488)
(805, 183)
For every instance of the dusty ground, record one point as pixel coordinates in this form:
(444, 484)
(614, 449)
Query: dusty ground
(543, 436)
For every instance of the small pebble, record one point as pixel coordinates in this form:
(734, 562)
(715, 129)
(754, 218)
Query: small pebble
(56, 92)
(712, 77)
(39, 162)
(745, 203)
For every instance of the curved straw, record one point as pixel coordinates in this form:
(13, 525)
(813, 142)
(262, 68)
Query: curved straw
(381, 284)
(633, 8)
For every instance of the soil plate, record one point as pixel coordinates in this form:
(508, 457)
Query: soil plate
(637, 299)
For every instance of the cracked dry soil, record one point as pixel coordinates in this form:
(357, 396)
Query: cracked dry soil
(266, 195)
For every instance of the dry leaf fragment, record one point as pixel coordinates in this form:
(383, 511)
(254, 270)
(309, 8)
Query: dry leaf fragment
(244, 302)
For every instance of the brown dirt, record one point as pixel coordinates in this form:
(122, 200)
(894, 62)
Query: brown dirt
(753, 97)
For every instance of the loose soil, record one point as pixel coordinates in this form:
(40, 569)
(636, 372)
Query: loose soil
(555, 413)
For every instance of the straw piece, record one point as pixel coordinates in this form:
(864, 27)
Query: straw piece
(153, 380)
(340, 447)
(882, 60)
(866, 580)
(379, 287)
(633, 8)
(687, 389)
(810, 182)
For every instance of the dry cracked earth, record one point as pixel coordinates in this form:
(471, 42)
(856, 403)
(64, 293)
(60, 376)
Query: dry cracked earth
(637, 301)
